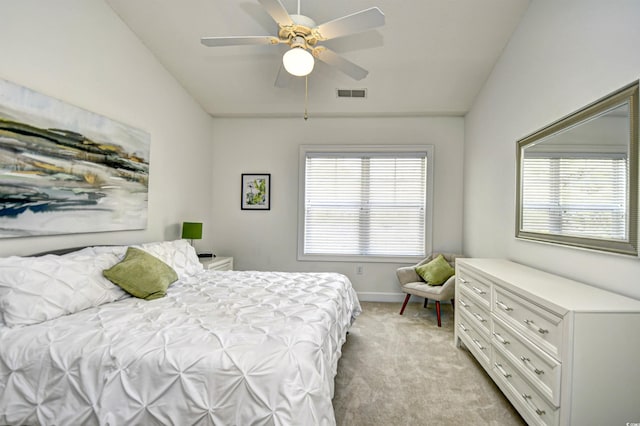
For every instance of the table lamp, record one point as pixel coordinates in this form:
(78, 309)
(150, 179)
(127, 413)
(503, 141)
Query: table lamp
(191, 231)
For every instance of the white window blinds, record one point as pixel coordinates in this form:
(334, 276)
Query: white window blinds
(579, 196)
(365, 204)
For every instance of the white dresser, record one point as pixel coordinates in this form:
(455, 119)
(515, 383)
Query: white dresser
(564, 353)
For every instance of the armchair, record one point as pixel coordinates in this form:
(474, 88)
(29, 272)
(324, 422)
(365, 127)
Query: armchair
(412, 283)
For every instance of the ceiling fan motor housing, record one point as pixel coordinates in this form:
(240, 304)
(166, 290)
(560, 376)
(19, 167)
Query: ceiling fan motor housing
(302, 28)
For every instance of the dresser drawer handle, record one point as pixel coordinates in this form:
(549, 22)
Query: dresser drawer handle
(462, 327)
(501, 339)
(478, 290)
(501, 370)
(529, 401)
(531, 323)
(478, 344)
(464, 305)
(526, 360)
(462, 280)
(479, 317)
(503, 306)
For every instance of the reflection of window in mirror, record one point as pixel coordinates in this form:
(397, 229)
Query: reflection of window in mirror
(575, 182)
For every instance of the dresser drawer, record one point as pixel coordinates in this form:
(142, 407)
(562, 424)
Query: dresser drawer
(477, 285)
(538, 325)
(534, 407)
(476, 341)
(221, 263)
(542, 370)
(476, 310)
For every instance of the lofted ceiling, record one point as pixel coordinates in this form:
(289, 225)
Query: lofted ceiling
(430, 58)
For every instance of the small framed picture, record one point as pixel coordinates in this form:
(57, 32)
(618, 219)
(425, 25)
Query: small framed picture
(256, 191)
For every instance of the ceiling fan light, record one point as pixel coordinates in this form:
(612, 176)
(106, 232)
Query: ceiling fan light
(298, 61)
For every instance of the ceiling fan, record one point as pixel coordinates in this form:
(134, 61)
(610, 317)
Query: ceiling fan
(302, 35)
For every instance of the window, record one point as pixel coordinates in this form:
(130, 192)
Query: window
(365, 203)
(583, 196)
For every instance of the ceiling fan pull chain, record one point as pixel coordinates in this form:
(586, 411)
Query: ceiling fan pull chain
(306, 95)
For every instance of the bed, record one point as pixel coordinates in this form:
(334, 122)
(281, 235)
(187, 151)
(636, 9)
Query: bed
(222, 347)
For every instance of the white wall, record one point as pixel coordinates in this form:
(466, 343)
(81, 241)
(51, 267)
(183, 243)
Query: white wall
(79, 51)
(563, 55)
(267, 240)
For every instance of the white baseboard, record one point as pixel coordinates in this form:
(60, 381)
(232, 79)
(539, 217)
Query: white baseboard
(372, 296)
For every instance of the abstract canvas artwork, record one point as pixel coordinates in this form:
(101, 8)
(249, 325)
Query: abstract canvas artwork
(67, 170)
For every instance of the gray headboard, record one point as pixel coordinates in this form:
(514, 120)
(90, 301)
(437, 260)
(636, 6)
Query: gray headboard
(59, 251)
(65, 251)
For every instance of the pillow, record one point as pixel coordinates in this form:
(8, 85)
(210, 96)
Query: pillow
(178, 254)
(436, 272)
(142, 275)
(37, 289)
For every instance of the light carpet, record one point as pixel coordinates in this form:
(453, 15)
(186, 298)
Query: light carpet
(405, 370)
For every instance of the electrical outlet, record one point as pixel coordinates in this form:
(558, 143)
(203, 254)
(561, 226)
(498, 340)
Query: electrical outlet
(359, 269)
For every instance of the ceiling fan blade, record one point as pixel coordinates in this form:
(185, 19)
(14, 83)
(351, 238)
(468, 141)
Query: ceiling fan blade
(283, 78)
(332, 58)
(238, 41)
(277, 11)
(350, 24)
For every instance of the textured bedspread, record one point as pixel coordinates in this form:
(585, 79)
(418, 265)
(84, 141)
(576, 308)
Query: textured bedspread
(223, 348)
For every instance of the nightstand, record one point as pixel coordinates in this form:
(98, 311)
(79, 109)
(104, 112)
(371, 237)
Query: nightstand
(218, 263)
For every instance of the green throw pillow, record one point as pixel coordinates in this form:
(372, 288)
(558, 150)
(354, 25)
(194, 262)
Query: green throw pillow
(436, 272)
(142, 275)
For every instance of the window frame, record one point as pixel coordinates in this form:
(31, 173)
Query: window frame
(304, 150)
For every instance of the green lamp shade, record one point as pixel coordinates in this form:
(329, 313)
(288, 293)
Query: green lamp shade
(191, 230)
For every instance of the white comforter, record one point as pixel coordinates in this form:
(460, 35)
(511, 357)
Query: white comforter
(223, 348)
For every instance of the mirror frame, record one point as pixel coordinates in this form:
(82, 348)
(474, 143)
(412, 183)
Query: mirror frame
(628, 94)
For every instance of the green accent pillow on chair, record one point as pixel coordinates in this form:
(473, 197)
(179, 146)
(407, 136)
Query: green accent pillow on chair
(142, 275)
(435, 272)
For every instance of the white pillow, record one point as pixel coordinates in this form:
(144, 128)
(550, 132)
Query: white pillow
(178, 254)
(37, 289)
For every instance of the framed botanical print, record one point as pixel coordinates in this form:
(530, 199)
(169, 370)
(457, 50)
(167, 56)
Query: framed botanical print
(256, 191)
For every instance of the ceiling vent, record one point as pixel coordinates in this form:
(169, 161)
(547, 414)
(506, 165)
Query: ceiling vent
(352, 93)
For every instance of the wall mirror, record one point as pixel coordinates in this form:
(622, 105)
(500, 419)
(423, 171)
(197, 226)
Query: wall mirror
(577, 179)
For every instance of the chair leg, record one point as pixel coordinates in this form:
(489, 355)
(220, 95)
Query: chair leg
(404, 305)
(453, 303)
(438, 313)
(425, 302)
